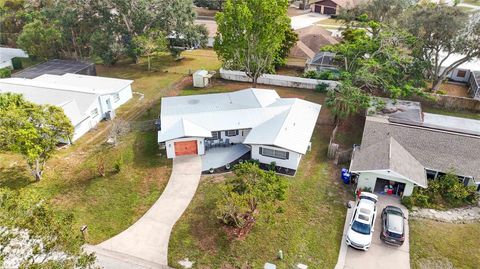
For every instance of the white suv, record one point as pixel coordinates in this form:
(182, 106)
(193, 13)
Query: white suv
(360, 232)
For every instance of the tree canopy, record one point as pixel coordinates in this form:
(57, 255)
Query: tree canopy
(32, 130)
(41, 239)
(442, 33)
(251, 35)
(107, 28)
(248, 192)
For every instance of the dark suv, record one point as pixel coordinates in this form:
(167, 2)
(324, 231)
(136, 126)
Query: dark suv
(393, 226)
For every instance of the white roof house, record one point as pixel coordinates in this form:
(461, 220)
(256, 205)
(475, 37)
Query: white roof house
(262, 117)
(85, 99)
(7, 54)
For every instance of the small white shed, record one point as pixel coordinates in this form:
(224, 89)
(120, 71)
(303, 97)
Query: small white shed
(201, 78)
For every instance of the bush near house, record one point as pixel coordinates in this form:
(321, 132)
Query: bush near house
(5, 72)
(445, 192)
(249, 192)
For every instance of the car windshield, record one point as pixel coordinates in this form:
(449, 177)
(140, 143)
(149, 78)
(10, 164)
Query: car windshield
(394, 235)
(362, 228)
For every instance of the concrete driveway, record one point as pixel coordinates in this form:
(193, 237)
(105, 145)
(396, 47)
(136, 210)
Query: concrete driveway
(380, 255)
(145, 243)
(306, 20)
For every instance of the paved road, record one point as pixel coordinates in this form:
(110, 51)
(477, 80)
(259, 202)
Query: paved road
(145, 243)
(380, 255)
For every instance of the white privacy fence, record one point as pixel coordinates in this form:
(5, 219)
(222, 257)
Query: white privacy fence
(277, 80)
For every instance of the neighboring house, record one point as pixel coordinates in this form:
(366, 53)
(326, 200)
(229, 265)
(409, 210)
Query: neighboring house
(465, 73)
(474, 82)
(86, 100)
(7, 54)
(276, 129)
(332, 7)
(58, 67)
(310, 40)
(321, 62)
(405, 147)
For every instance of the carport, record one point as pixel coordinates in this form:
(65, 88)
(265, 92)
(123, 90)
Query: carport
(387, 163)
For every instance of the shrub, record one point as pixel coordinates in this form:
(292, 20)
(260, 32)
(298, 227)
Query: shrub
(5, 72)
(442, 92)
(249, 192)
(117, 166)
(447, 191)
(322, 87)
(323, 75)
(407, 202)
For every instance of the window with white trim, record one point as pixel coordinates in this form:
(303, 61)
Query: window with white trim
(273, 153)
(116, 97)
(94, 113)
(231, 133)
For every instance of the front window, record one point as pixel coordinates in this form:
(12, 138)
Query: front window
(360, 227)
(94, 113)
(278, 154)
(231, 133)
(116, 97)
(215, 135)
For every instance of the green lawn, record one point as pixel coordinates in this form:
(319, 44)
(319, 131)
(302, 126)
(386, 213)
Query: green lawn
(309, 231)
(110, 204)
(472, 2)
(432, 241)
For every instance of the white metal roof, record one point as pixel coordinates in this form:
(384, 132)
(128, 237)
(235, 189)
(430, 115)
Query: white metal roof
(283, 122)
(100, 85)
(6, 54)
(74, 103)
(473, 65)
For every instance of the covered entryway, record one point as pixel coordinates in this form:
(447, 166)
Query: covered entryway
(186, 148)
(385, 186)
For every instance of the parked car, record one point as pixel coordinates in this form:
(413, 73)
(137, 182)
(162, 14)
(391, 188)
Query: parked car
(360, 231)
(393, 226)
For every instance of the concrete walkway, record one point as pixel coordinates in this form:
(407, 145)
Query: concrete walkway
(145, 243)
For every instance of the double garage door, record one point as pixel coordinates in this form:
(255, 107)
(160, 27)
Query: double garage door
(186, 148)
(326, 10)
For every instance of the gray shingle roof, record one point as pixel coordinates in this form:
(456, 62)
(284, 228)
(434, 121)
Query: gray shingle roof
(434, 149)
(388, 154)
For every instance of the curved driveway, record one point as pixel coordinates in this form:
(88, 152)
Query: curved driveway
(147, 239)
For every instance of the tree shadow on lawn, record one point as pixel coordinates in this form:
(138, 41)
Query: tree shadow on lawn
(15, 178)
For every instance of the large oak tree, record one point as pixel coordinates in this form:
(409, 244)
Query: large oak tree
(443, 33)
(251, 34)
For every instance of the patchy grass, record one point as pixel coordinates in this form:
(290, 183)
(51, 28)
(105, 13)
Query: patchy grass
(451, 112)
(111, 203)
(331, 22)
(451, 243)
(309, 231)
(106, 204)
(472, 2)
(454, 89)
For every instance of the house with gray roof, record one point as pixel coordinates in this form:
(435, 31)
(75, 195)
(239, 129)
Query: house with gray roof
(403, 147)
